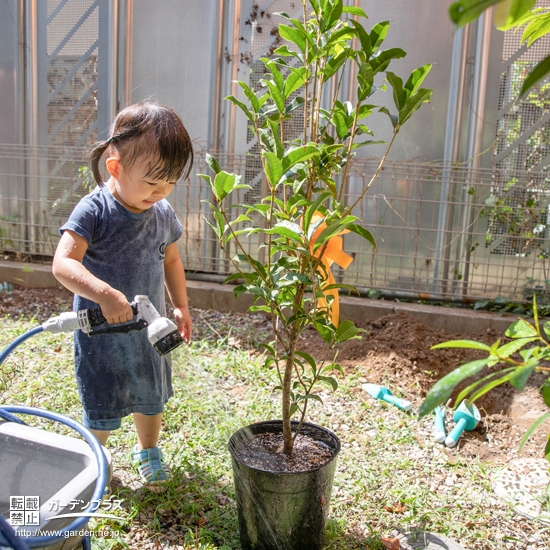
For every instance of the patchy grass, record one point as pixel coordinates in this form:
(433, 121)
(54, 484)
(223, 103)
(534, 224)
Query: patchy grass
(391, 476)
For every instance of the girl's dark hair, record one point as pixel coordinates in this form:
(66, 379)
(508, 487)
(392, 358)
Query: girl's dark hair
(151, 131)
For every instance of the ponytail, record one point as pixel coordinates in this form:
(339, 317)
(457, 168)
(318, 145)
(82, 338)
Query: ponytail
(95, 158)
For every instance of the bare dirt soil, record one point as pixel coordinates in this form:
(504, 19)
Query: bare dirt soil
(395, 352)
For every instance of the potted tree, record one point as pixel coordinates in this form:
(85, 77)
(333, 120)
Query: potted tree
(282, 497)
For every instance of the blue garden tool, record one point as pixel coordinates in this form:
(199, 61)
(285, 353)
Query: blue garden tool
(380, 392)
(439, 425)
(466, 417)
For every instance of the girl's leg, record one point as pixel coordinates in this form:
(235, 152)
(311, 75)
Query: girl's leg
(101, 435)
(148, 429)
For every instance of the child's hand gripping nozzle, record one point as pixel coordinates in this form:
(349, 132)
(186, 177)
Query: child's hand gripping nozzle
(380, 392)
(466, 417)
(161, 332)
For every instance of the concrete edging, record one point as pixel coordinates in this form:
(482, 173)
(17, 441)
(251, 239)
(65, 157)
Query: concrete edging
(220, 297)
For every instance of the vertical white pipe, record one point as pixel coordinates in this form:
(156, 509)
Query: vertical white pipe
(475, 132)
(452, 133)
(216, 78)
(230, 129)
(31, 121)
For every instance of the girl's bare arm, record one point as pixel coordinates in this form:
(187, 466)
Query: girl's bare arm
(174, 278)
(68, 270)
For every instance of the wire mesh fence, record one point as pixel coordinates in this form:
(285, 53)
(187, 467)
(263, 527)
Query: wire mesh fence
(493, 241)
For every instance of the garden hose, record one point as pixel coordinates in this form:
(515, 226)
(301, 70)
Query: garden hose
(15, 542)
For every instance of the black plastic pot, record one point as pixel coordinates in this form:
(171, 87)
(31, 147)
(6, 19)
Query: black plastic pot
(282, 510)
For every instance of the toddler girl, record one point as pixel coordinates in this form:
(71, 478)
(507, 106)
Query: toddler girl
(120, 241)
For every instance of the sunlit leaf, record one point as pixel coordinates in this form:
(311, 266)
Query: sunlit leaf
(273, 168)
(442, 389)
(520, 376)
(532, 429)
(521, 329)
(466, 344)
(541, 70)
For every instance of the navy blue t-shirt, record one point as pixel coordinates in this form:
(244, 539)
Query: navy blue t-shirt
(119, 374)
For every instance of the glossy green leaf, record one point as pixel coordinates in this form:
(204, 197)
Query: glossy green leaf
(515, 345)
(324, 331)
(275, 134)
(251, 96)
(278, 77)
(520, 376)
(442, 389)
(380, 61)
(368, 142)
(394, 119)
(331, 14)
(336, 226)
(286, 229)
(521, 329)
(313, 396)
(296, 103)
(213, 164)
(273, 168)
(466, 391)
(256, 309)
(285, 51)
(413, 103)
(346, 331)
(275, 95)
(364, 38)
(334, 64)
(379, 33)
(541, 70)
(292, 35)
(537, 28)
(488, 387)
(224, 183)
(295, 80)
(465, 11)
(416, 79)
(312, 208)
(399, 93)
(354, 10)
(465, 344)
(308, 358)
(242, 106)
(532, 429)
(300, 154)
(365, 81)
(546, 392)
(511, 12)
(330, 381)
(361, 231)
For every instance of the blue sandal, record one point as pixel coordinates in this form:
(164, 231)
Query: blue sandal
(150, 465)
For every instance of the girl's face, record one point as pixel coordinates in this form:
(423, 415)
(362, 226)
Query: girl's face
(132, 188)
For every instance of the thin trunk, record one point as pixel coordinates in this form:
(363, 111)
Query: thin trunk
(288, 441)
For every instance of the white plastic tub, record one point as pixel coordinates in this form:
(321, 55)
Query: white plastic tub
(60, 470)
